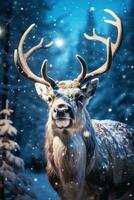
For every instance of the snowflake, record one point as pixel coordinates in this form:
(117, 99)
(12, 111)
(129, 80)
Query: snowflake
(110, 110)
(35, 179)
(62, 21)
(92, 8)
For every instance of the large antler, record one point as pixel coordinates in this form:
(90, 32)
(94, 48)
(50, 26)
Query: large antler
(111, 47)
(20, 59)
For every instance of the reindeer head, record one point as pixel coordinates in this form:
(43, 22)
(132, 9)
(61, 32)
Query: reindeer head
(67, 99)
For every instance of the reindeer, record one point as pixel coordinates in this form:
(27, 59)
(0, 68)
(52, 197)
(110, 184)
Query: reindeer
(86, 159)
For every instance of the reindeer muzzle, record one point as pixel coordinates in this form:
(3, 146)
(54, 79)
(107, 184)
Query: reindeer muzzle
(63, 116)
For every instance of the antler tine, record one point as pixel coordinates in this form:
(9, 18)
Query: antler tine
(45, 76)
(82, 75)
(105, 67)
(38, 46)
(111, 47)
(95, 37)
(117, 23)
(20, 58)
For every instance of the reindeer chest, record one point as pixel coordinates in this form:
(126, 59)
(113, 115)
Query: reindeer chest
(69, 156)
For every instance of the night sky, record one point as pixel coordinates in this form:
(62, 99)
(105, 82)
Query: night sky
(75, 16)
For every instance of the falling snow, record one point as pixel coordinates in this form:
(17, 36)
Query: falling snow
(66, 21)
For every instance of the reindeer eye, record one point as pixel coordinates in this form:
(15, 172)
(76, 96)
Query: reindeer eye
(49, 99)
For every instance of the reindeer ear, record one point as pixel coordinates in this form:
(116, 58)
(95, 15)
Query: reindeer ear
(42, 91)
(89, 88)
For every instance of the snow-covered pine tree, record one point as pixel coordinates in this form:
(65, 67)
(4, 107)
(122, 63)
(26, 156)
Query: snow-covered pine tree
(13, 185)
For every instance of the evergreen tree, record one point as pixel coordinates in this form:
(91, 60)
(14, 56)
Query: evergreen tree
(87, 48)
(13, 185)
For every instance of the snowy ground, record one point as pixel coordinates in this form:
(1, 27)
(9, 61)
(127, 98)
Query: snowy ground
(41, 186)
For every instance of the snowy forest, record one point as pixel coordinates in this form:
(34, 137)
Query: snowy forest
(64, 23)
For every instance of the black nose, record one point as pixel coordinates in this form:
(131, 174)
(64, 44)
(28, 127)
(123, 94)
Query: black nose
(62, 110)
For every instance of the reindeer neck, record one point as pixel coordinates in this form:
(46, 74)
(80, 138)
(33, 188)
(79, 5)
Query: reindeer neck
(76, 143)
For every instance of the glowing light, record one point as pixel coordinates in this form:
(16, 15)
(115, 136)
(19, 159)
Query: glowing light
(59, 42)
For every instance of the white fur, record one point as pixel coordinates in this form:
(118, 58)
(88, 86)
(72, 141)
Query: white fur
(70, 158)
